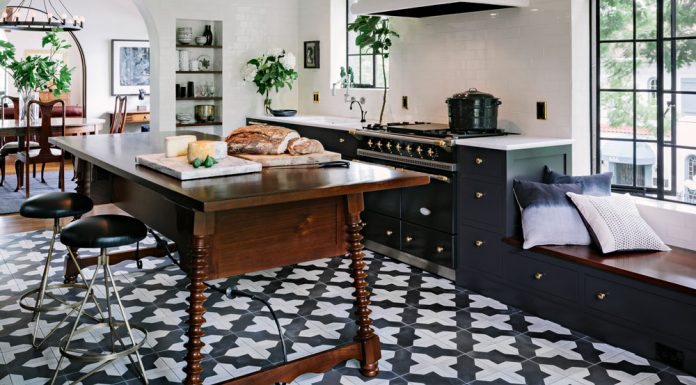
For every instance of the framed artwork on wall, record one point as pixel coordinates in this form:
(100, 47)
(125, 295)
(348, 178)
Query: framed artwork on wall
(311, 54)
(130, 67)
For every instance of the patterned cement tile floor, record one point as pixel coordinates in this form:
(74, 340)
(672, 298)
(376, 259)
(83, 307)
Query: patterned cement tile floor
(431, 331)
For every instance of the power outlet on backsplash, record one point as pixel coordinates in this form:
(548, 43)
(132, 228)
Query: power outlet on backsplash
(315, 97)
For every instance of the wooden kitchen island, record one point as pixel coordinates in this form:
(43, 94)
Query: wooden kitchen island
(229, 226)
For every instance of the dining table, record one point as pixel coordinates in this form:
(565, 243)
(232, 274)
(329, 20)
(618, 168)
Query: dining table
(73, 126)
(232, 225)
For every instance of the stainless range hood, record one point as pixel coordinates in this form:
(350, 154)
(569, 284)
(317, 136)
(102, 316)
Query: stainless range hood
(428, 8)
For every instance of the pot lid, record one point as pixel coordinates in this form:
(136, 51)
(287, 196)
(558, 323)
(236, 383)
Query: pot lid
(473, 94)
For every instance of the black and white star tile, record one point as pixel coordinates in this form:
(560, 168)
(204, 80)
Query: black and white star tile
(432, 332)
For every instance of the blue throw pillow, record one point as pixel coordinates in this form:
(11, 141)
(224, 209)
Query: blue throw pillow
(548, 215)
(595, 185)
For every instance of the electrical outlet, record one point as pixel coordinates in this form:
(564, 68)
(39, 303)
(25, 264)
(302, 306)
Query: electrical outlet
(315, 98)
(404, 102)
(541, 111)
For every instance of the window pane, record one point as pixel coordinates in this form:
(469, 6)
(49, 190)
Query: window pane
(617, 157)
(686, 116)
(646, 19)
(668, 65)
(686, 64)
(352, 48)
(646, 165)
(646, 64)
(354, 63)
(646, 115)
(616, 61)
(616, 114)
(670, 100)
(380, 73)
(686, 176)
(366, 70)
(616, 19)
(686, 18)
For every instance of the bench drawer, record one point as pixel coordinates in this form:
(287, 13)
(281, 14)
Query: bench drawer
(382, 229)
(431, 245)
(482, 203)
(480, 162)
(543, 276)
(641, 306)
(480, 250)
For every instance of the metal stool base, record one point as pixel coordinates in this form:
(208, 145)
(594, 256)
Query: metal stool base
(85, 356)
(45, 309)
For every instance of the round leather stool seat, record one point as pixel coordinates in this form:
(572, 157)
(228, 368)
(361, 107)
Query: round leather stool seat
(56, 205)
(103, 231)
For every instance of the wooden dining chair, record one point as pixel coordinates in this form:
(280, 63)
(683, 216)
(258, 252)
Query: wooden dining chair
(119, 120)
(45, 153)
(9, 145)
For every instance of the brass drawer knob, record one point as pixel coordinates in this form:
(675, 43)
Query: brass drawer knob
(479, 195)
(409, 239)
(478, 161)
(341, 140)
(538, 276)
(479, 243)
(440, 249)
(601, 296)
(389, 233)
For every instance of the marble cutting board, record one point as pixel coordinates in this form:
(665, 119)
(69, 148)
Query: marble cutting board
(291, 160)
(180, 168)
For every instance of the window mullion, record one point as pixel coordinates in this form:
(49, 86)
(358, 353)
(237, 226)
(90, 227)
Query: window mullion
(660, 101)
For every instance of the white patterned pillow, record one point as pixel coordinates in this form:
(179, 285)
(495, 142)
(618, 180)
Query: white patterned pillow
(615, 223)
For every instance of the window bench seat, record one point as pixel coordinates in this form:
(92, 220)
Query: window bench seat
(643, 302)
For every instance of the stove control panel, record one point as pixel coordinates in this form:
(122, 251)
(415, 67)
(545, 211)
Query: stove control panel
(436, 152)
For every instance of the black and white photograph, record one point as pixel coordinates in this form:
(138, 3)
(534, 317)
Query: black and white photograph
(311, 54)
(130, 66)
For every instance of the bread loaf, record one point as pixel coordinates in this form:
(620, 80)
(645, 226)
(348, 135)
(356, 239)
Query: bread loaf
(260, 140)
(304, 146)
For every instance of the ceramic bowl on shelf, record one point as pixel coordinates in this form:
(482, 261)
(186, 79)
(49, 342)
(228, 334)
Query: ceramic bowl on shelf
(184, 35)
(183, 117)
(200, 40)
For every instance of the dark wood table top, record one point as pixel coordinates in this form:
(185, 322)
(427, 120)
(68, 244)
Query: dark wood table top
(11, 127)
(674, 269)
(117, 153)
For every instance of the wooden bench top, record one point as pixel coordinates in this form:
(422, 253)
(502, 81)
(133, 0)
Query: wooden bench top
(674, 269)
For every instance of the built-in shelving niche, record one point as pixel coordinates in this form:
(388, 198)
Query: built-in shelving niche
(200, 77)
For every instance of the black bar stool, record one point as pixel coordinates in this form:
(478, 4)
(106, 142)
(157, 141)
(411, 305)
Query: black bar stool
(53, 206)
(103, 232)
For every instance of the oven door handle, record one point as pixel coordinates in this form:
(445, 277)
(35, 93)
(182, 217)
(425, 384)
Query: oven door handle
(440, 178)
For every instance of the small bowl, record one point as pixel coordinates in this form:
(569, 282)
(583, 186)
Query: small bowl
(185, 40)
(200, 40)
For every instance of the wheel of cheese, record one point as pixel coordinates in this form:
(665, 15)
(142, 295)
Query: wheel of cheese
(203, 148)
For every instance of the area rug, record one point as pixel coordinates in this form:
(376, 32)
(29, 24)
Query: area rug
(10, 201)
(432, 332)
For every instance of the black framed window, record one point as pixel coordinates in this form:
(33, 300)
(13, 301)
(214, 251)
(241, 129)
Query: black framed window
(644, 95)
(366, 65)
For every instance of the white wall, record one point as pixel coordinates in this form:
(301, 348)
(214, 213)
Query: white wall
(250, 27)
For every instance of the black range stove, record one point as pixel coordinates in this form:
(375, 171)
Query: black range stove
(434, 130)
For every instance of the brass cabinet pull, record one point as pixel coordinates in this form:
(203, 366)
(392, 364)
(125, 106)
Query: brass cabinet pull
(479, 195)
(478, 161)
(409, 239)
(538, 276)
(479, 243)
(440, 249)
(389, 233)
(601, 296)
(341, 140)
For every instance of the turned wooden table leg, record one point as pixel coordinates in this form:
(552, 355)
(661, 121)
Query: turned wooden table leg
(199, 263)
(366, 335)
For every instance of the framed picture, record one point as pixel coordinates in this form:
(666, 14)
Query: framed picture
(311, 54)
(130, 67)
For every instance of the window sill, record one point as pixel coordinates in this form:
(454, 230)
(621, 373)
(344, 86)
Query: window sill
(682, 208)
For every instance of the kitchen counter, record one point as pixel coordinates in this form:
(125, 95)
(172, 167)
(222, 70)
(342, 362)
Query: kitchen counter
(503, 143)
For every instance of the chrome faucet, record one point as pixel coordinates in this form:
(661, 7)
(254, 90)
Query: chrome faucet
(363, 113)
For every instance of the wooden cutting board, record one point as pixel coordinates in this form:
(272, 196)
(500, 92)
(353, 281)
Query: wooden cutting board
(291, 160)
(180, 168)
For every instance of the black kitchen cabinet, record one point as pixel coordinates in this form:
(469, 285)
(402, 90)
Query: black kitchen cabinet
(333, 139)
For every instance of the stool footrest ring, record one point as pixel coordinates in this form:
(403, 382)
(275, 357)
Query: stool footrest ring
(90, 357)
(44, 309)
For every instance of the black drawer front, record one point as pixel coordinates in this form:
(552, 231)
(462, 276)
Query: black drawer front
(652, 310)
(431, 205)
(387, 202)
(482, 203)
(480, 162)
(546, 277)
(480, 250)
(333, 140)
(431, 245)
(382, 229)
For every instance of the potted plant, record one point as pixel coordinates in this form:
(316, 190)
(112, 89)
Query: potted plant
(375, 32)
(274, 70)
(37, 73)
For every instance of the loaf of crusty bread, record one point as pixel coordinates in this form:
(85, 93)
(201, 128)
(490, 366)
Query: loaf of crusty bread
(260, 140)
(304, 146)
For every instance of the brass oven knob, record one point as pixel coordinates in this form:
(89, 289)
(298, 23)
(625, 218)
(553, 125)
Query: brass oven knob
(370, 143)
(538, 276)
(389, 233)
(431, 153)
(479, 243)
(389, 146)
(601, 296)
(379, 144)
(409, 239)
(478, 161)
(479, 195)
(341, 140)
(440, 249)
(419, 150)
(409, 148)
(398, 147)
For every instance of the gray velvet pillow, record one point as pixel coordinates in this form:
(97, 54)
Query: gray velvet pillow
(597, 185)
(548, 215)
